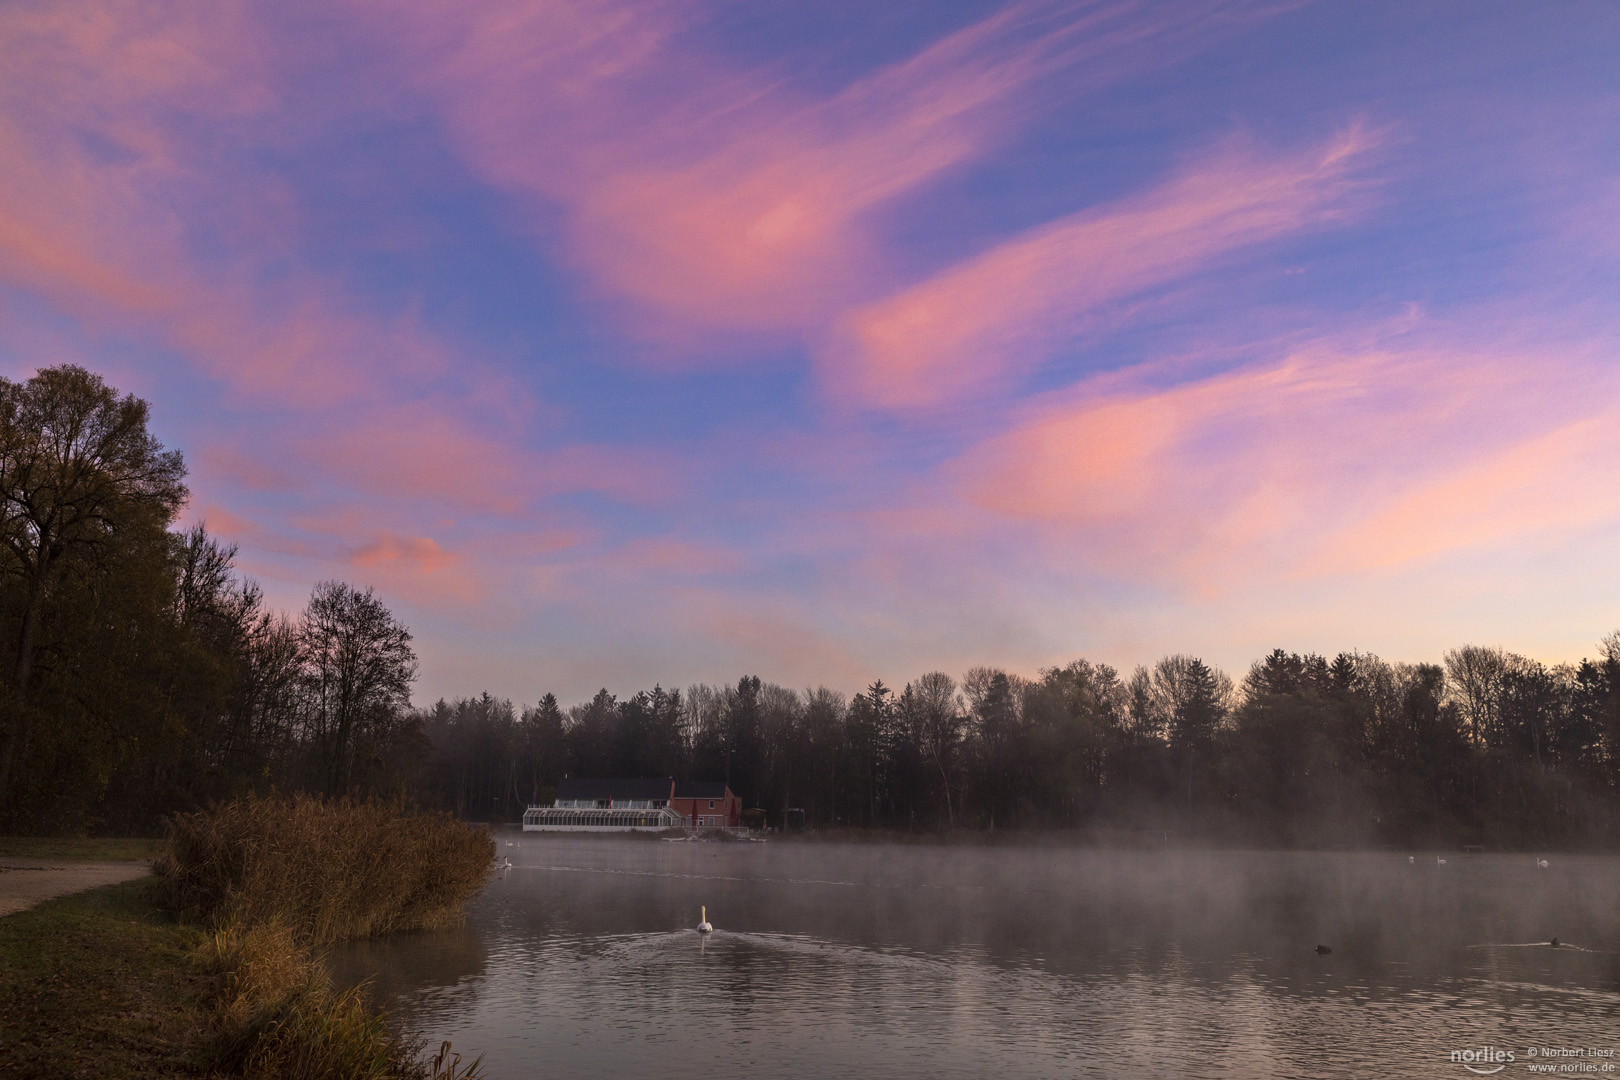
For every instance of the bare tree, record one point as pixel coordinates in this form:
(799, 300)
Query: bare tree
(939, 728)
(1475, 675)
(359, 667)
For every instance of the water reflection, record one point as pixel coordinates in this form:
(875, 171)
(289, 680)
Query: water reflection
(918, 961)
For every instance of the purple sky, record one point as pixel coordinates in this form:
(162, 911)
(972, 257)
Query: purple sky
(663, 342)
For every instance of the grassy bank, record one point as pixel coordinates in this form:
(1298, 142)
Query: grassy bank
(100, 849)
(102, 984)
(212, 968)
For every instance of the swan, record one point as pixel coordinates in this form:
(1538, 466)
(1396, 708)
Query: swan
(1438, 861)
(1541, 864)
(704, 927)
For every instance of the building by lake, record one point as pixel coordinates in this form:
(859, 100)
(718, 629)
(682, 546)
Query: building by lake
(625, 805)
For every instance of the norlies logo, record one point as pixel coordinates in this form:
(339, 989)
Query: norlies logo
(1484, 1061)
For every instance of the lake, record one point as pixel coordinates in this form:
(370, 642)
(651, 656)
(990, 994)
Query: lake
(838, 959)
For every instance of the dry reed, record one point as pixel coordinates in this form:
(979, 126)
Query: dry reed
(279, 876)
(329, 870)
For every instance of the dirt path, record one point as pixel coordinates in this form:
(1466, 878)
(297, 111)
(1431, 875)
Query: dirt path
(25, 882)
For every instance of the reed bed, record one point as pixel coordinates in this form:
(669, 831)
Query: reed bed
(327, 869)
(278, 877)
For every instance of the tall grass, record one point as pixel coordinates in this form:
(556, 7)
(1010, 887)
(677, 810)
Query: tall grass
(328, 870)
(276, 1014)
(278, 877)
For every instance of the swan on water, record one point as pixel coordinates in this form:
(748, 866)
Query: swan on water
(1541, 864)
(1438, 861)
(704, 927)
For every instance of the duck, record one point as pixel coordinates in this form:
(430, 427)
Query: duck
(1553, 943)
(704, 927)
(1323, 950)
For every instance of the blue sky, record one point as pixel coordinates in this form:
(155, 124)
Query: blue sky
(662, 342)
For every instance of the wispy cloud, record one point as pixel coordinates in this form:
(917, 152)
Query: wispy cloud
(736, 201)
(1000, 314)
(1333, 459)
(394, 275)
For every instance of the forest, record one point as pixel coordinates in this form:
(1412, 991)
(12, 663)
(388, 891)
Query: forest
(141, 675)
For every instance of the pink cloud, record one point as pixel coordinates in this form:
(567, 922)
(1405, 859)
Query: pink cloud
(1541, 488)
(55, 267)
(1001, 313)
(117, 213)
(429, 451)
(418, 570)
(418, 554)
(712, 198)
(1336, 459)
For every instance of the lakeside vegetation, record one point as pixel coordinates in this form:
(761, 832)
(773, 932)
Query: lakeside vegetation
(92, 848)
(141, 676)
(212, 969)
(322, 870)
(275, 878)
(101, 984)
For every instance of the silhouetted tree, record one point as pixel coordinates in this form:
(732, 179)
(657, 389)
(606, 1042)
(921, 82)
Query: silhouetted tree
(359, 667)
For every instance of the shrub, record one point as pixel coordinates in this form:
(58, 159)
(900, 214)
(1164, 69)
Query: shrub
(279, 876)
(276, 1015)
(326, 870)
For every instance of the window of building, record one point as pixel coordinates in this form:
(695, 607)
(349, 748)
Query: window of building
(711, 804)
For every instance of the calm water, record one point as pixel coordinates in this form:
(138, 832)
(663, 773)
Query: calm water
(834, 959)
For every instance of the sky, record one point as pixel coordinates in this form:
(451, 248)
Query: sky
(670, 341)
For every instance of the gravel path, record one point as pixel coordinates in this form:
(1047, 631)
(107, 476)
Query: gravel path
(25, 882)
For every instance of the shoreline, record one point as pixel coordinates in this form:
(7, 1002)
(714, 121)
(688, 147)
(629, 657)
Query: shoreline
(101, 982)
(27, 883)
(1095, 839)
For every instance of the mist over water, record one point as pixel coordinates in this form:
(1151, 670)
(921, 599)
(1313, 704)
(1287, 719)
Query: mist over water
(1046, 961)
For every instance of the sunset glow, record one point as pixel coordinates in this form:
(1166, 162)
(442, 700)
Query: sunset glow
(626, 343)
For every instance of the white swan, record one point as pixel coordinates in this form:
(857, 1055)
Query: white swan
(1541, 864)
(1439, 861)
(704, 927)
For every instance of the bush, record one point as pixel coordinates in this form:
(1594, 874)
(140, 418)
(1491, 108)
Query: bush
(276, 877)
(326, 870)
(276, 1015)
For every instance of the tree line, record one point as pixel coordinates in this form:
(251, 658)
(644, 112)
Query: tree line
(1486, 747)
(141, 674)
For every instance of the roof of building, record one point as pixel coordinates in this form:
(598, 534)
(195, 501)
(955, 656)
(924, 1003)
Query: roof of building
(701, 789)
(583, 788)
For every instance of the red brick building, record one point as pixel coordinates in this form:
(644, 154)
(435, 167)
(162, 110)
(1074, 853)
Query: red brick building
(626, 805)
(704, 803)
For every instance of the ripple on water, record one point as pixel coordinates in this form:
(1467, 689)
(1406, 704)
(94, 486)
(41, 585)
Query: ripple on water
(914, 962)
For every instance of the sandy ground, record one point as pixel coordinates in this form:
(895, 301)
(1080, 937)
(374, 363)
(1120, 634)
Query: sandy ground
(25, 882)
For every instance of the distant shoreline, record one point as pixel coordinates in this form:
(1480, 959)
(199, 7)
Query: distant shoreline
(1102, 839)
